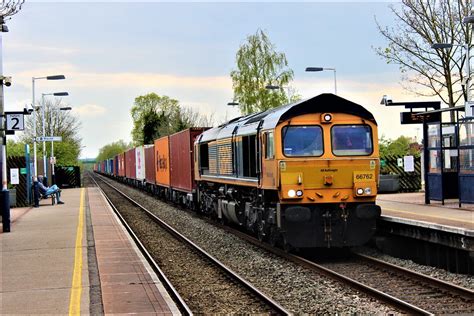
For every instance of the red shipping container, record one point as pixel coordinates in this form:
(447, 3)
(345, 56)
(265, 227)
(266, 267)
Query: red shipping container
(121, 165)
(181, 159)
(130, 169)
(115, 170)
(150, 163)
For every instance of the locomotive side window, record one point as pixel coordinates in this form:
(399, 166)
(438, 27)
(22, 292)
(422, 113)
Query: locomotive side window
(249, 156)
(204, 158)
(302, 140)
(351, 140)
(269, 146)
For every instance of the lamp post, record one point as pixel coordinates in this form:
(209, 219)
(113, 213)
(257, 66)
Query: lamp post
(314, 69)
(56, 94)
(35, 162)
(53, 160)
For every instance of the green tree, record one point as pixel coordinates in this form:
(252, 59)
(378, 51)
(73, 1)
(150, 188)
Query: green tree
(401, 146)
(111, 150)
(155, 116)
(422, 23)
(15, 149)
(259, 65)
(151, 115)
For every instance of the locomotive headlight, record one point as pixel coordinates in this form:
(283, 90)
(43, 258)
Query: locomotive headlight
(368, 191)
(299, 193)
(360, 191)
(327, 117)
(291, 193)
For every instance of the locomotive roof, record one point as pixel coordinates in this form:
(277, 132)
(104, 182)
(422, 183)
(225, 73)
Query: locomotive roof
(326, 102)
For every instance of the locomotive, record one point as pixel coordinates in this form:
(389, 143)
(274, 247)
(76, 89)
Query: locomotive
(303, 175)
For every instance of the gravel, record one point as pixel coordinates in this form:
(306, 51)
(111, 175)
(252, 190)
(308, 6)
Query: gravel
(204, 287)
(297, 289)
(463, 280)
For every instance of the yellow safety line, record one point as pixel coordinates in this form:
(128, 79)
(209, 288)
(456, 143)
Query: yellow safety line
(76, 289)
(425, 215)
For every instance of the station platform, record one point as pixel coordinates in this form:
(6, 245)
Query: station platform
(410, 208)
(76, 258)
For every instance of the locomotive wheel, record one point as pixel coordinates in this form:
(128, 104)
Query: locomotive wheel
(261, 230)
(274, 237)
(285, 245)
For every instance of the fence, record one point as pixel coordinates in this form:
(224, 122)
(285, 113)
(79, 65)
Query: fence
(20, 189)
(68, 176)
(409, 181)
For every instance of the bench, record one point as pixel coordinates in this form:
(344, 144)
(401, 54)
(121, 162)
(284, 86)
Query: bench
(47, 196)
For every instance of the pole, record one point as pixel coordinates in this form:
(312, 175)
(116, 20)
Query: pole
(335, 82)
(45, 169)
(35, 162)
(5, 204)
(53, 180)
(468, 74)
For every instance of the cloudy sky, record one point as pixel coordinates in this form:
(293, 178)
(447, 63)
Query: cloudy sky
(112, 52)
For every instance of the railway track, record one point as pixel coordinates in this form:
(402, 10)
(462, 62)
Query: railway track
(204, 284)
(428, 295)
(406, 290)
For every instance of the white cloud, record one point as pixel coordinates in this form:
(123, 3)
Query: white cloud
(90, 110)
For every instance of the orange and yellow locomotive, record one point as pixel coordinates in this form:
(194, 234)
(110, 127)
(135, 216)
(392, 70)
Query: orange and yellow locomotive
(304, 175)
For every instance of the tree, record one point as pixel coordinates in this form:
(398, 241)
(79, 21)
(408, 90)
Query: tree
(155, 116)
(15, 149)
(259, 65)
(150, 115)
(112, 149)
(57, 123)
(422, 23)
(401, 146)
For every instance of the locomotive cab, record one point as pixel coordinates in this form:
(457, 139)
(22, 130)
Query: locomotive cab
(328, 169)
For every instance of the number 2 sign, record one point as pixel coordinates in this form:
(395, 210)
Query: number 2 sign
(15, 121)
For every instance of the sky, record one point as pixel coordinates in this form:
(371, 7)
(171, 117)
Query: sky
(113, 52)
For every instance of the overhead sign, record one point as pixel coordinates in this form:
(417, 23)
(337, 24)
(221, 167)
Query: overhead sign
(419, 118)
(49, 139)
(15, 121)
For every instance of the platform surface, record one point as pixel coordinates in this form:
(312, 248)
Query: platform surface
(47, 262)
(409, 208)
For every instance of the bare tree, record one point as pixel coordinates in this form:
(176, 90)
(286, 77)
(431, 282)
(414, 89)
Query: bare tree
(57, 123)
(421, 23)
(10, 7)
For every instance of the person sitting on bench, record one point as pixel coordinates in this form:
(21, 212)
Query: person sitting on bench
(46, 191)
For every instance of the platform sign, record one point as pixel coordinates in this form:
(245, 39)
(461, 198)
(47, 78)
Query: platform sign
(15, 121)
(416, 118)
(469, 108)
(49, 139)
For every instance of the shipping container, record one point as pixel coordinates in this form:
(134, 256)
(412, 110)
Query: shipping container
(181, 159)
(162, 168)
(109, 166)
(150, 163)
(121, 164)
(130, 170)
(140, 163)
(115, 172)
